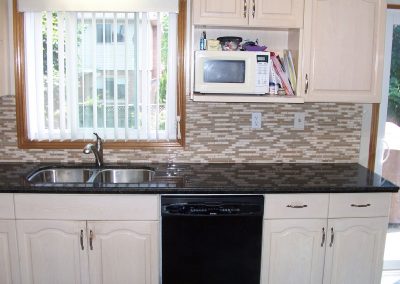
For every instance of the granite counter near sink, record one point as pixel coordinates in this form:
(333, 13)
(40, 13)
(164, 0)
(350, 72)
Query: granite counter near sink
(213, 178)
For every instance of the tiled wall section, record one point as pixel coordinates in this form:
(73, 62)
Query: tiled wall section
(219, 132)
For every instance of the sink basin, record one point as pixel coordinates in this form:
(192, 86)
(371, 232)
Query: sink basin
(61, 175)
(123, 176)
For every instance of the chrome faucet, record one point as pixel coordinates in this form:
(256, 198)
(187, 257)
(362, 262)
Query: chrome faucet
(96, 149)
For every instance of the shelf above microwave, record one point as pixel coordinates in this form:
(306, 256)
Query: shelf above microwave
(229, 98)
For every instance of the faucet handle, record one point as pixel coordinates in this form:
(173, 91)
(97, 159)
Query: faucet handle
(97, 135)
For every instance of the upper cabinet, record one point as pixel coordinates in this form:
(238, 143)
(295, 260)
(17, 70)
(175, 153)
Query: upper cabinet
(343, 48)
(222, 12)
(255, 13)
(277, 13)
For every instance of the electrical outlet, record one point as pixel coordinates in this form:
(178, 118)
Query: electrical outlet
(256, 120)
(299, 119)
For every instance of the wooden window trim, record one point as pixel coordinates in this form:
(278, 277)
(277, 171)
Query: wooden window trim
(393, 6)
(19, 62)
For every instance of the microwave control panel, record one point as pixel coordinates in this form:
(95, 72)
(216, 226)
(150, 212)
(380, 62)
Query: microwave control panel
(262, 73)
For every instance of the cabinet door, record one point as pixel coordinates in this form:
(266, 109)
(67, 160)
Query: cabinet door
(221, 12)
(123, 252)
(277, 13)
(293, 251)
(9, 267)
(343, 50)
(354, 253)
(50, 251)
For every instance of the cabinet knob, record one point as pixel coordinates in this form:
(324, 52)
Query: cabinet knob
(323, 237)
(297, 206)
(81, 240)
(91, 240)
(360, 205)
(306, 86)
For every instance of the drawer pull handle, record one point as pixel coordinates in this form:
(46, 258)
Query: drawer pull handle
(81, 240)
(91, 240)
(332, 237)
(245, 9)
(360, 205)
(323, 237)
(254, 8)
(297, 206)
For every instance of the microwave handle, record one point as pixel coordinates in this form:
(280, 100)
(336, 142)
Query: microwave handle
(306, 86)
(244, 8)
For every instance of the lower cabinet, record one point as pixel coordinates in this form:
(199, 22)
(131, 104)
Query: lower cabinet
(9, 266)
(50, 251)
(88, 251)
(59, 243)
(324, 250)
(354, 250)
(293, 251)
(123, 252)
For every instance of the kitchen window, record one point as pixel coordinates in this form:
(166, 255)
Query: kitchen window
(114, 73)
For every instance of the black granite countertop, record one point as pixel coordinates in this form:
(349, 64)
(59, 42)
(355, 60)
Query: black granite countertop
(213, 178)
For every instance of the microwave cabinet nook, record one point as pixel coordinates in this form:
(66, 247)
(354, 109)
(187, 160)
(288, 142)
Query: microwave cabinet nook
(337, 45)
(90, 238)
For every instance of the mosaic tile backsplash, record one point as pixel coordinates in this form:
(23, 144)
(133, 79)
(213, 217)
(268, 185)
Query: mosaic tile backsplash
(221, 132)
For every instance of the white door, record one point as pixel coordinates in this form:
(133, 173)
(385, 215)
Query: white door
(122, 252)
(221, 12)
(293, 251)
(343, 48)
(354, 251)
(51, 252)
(9, 265)
(277, 13)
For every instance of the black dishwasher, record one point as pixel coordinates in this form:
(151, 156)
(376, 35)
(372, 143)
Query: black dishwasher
(211, 239)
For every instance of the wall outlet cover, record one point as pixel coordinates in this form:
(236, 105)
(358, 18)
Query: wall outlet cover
(256, 120)
(299, 120)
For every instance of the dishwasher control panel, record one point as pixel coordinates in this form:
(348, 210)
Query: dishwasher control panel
(212, 205)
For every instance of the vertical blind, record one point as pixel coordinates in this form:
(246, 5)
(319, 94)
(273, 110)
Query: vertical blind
(113, 73)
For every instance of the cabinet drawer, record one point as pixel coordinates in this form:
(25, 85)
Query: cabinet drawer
(6, 206)
(296, 206)
(359, 205)
(86, 207)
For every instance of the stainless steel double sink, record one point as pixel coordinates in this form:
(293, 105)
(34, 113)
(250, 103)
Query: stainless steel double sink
(63, 175)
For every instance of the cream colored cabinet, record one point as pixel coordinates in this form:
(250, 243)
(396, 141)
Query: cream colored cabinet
(354, 251)
(300, 245)
(222, 12)
(256, 13)
(294, 251)
(121, 246)
(50, 251)
(343, 50)
(9, 265)
(123, 252)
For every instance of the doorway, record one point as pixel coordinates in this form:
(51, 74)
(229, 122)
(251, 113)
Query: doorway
(388, 149)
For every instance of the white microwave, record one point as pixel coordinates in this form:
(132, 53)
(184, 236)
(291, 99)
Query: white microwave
(231, 72)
